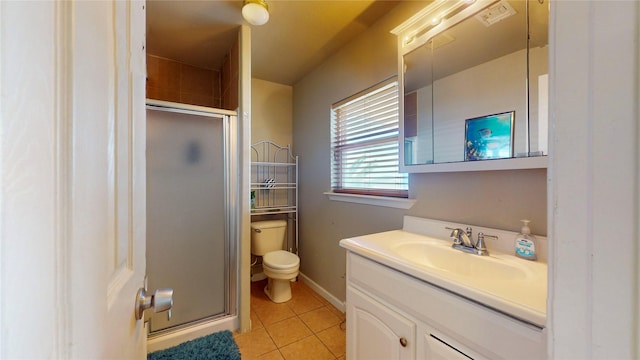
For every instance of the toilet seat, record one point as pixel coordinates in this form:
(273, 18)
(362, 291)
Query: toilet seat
(280, 260)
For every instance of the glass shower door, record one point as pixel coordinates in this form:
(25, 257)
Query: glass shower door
(187, 232)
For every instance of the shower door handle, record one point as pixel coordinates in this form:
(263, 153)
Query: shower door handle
(161, 300)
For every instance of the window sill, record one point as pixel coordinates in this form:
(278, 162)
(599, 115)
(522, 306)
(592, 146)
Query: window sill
(398, 203)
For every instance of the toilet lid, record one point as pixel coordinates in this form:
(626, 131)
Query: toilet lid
(280, 259)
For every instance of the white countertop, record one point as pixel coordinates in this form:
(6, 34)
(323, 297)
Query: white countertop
(520, 292)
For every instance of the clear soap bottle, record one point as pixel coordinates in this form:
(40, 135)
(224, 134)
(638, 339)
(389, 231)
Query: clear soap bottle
(526, 243)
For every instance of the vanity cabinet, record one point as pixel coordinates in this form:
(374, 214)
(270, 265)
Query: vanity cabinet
(377, 332)
(392, 315)
(437, 349)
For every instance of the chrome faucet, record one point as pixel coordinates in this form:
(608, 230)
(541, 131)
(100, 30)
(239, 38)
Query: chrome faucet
(463, 241)
(462, 237)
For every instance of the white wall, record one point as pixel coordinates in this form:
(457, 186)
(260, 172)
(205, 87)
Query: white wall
(366, 61)
(272, 117)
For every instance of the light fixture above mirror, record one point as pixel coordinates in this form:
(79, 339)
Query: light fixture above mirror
(256, 12)
(416, 28)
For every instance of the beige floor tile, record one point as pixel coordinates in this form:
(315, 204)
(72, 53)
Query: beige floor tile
(303, 301)
(288, 331)
(271, 313)
(255, 321)
(274, 355)
(342, 316)
(334, 339)
(298, 286)
(310, 348)
(254, 343)
(318, 297)
(258, 297)
(258, 303)
(320, 319)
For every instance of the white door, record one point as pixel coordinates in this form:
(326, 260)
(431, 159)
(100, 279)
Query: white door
(72, 97)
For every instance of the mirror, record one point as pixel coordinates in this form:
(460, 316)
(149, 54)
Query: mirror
(474, 87)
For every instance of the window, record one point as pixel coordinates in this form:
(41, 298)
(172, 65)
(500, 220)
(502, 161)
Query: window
(364, 145)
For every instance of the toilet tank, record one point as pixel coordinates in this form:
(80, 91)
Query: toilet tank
(267, 236)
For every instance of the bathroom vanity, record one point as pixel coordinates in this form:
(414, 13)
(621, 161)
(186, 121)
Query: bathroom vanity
(411, 296)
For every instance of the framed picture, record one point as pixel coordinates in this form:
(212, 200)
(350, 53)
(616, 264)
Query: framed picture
(489, 137)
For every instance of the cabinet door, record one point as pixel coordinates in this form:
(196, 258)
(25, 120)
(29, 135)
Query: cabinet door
(437, 347)
(376, 332)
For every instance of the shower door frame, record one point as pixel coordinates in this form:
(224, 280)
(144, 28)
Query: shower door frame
(232, 213)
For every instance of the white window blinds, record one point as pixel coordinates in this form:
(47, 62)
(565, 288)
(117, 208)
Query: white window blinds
(365, 143)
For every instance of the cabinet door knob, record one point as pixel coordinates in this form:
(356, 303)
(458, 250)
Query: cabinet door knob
(403, 342)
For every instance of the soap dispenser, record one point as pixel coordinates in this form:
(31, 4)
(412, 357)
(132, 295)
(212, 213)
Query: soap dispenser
(526, 243)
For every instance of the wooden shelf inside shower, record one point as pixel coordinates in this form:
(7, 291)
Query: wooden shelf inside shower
(274, 186)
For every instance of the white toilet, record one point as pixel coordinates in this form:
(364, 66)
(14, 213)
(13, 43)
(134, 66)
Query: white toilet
(280, 266)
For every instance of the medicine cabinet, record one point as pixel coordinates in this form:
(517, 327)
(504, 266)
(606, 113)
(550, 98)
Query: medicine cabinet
(475, 86)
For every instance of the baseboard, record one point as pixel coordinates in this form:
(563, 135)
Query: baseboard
(170, 339)
(340, 305)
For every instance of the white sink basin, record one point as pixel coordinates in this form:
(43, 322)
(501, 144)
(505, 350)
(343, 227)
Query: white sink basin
(501, 281)
(444, 258)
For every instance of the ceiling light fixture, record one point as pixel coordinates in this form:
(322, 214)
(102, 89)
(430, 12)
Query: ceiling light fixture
(256, 12)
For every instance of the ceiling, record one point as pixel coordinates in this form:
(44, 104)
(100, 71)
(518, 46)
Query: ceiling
(299, 36)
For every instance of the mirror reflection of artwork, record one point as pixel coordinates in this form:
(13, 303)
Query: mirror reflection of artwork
(489, 137)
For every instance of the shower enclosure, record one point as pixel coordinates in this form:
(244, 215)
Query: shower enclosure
(191, 197)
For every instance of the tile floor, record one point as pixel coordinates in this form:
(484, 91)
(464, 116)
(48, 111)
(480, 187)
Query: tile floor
(305, 327)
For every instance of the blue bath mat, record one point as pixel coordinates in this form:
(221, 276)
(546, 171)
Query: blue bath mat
(218, 346)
